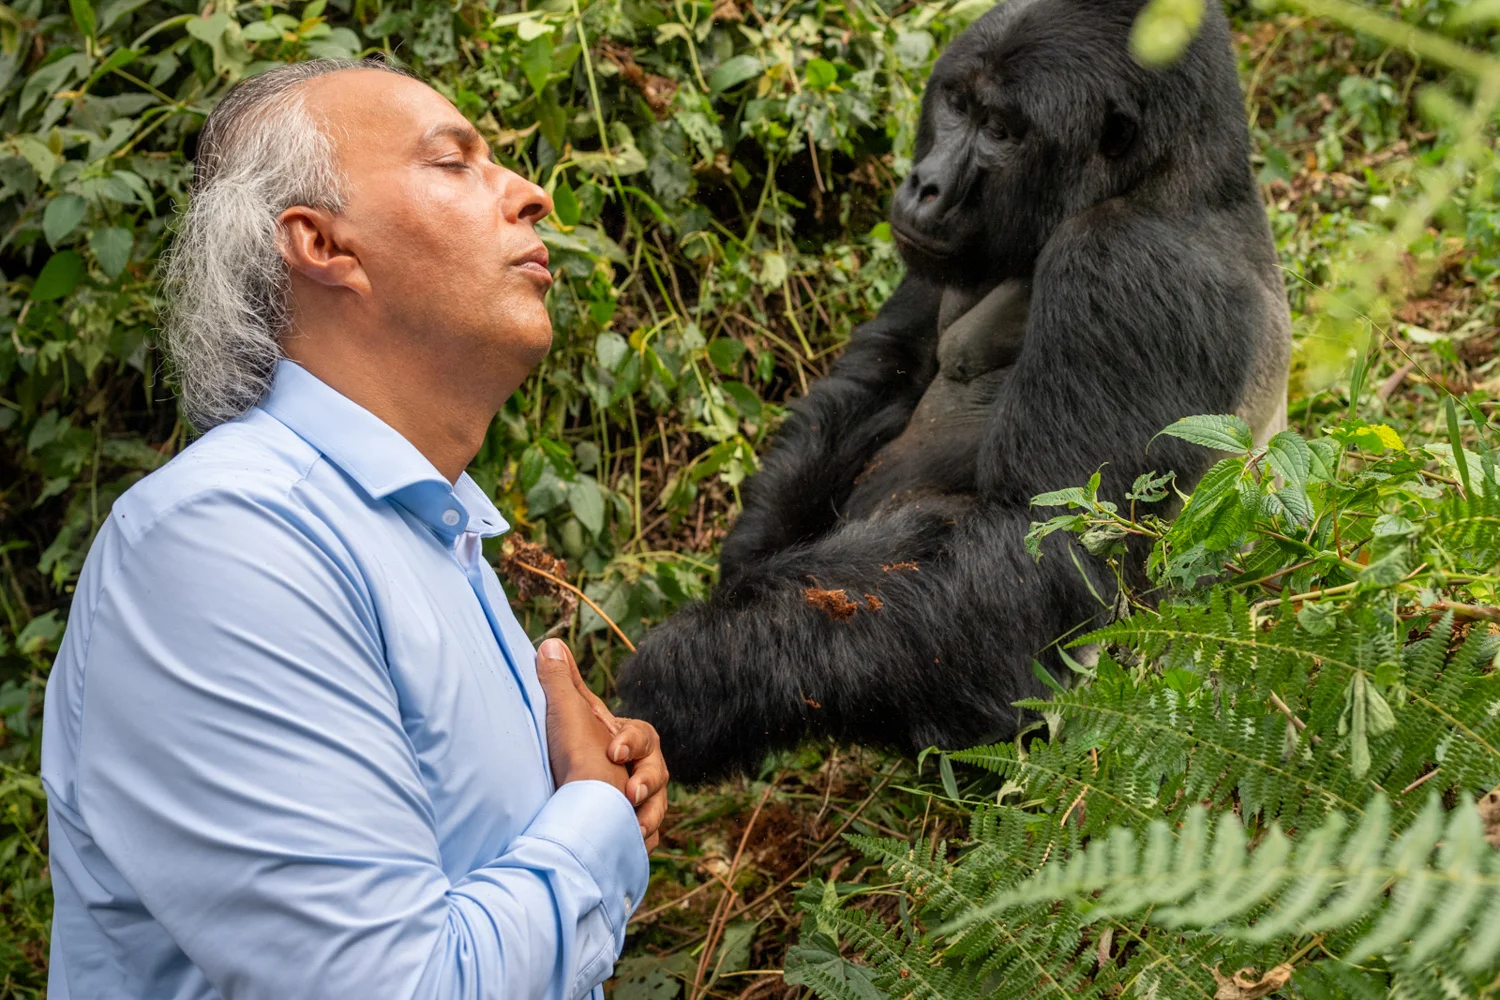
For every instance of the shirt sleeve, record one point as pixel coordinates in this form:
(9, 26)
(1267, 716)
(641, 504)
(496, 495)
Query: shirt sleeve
(244, 765)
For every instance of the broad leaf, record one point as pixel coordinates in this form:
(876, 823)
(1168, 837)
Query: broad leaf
(111, 249)
(60, 275)
(62, 214)
(1222, 432)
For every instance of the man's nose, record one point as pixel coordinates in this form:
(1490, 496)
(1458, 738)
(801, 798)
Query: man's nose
(521, 200)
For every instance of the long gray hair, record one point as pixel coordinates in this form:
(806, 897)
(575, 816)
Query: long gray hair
(225, 282)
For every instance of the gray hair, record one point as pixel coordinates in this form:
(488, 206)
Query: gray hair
(226, 284)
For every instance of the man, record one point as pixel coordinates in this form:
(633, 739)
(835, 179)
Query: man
(296, 744)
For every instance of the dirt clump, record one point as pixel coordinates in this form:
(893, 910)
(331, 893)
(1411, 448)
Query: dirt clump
(833, 603)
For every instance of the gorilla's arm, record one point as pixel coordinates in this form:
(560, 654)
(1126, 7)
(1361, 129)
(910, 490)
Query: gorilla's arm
(914, 628)
(830, 434)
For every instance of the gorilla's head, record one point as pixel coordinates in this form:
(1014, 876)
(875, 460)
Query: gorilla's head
(1038, 112)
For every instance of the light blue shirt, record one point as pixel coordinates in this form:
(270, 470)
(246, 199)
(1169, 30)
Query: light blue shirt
(294, 743)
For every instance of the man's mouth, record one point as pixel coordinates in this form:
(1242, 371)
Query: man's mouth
(534, 263)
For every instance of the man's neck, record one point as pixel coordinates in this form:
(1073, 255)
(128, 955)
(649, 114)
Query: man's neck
(442, 421)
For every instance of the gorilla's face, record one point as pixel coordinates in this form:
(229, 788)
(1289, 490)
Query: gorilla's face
(1023, 123)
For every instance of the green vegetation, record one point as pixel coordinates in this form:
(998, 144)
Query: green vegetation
(720, 170)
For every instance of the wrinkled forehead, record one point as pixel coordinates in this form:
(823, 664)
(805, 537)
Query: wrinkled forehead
(371, 114)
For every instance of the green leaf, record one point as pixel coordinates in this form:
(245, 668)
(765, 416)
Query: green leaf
(609, 350)
(208, 29)
(1222, 432)
(1455, 441)
(725, 353)
(1318, 618)
(773, 270)
(950, 781)
(61, 215)
(1164, 29)
(587, 503)
(536, 60)
(41, 158)
(565, 204)
(60, 275)
(816, 963)
(644, 977)
(820, 74)
(83, 16)
(1073, 496)
(1291, 459)
(261, 31)
(733, 72)
(111, 248)
(733, 954)
(1147, 488)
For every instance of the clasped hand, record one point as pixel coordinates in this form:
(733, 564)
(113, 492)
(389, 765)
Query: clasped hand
(587, 742)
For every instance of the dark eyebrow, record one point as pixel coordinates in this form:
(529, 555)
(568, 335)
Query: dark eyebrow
(467, 137)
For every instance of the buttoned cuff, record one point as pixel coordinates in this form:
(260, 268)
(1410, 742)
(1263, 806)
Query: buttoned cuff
(596, 823)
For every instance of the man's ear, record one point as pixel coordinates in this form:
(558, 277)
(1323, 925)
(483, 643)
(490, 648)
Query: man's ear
(310, 244)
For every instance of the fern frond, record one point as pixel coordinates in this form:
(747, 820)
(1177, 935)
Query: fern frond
(1434, 890)
(1469, 529)
(1234, 739)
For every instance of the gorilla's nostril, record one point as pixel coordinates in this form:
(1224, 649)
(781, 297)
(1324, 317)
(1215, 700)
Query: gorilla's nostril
(928, 193)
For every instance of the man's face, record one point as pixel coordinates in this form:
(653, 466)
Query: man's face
(444, 233)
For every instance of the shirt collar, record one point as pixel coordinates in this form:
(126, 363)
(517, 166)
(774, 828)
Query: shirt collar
(376, 456)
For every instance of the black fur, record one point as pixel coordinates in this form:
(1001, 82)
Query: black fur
(1123, 199)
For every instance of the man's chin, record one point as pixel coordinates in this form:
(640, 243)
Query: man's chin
(529, 343)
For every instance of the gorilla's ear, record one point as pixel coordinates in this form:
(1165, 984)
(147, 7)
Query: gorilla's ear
(1118, 134)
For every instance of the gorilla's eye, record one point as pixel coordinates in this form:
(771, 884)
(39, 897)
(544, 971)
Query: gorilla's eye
(998, 130)
(961, 101)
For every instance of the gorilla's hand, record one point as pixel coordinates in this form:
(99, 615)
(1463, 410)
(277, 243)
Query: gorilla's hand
(914, 628)
(832, 433)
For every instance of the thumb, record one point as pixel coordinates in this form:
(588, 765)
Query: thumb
(556, 671)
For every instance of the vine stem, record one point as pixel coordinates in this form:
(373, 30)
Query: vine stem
(585, 598)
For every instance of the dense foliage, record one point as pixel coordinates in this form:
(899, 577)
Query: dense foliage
(719, 169)
(1265, 778)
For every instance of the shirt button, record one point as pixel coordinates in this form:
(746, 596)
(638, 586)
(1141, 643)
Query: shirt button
(628, 901)
(450, 517)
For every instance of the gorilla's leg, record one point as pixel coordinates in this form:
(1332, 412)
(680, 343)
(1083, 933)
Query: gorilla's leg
(912, 629)
(831, 434)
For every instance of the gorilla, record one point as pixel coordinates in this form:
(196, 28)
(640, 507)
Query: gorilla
(1087, 261)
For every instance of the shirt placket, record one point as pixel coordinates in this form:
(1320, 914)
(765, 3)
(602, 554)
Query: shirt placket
(467, 552)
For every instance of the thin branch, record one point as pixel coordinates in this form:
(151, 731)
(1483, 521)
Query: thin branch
(585, 598)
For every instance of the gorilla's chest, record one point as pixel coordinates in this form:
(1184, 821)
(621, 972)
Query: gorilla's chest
(937, 452)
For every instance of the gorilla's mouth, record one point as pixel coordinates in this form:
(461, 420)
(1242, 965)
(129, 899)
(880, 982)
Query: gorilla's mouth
(908, 239)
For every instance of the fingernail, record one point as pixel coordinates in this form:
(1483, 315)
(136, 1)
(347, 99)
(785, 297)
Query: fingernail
(640, 794)
(644, 834)
(622, 754)
(553, 649)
